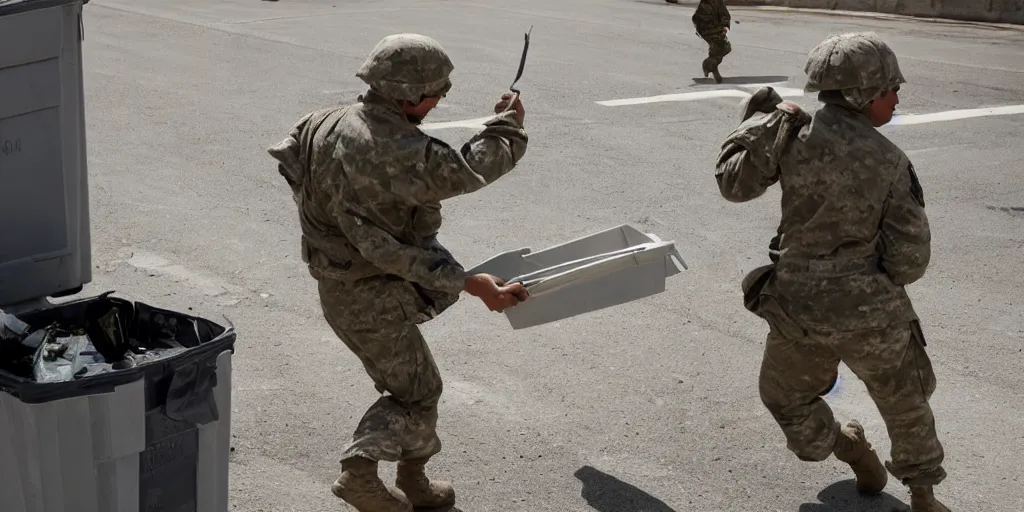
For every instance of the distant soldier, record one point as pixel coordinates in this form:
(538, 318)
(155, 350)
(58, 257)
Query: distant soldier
(368, 185)
(853, 235)
(712, 20)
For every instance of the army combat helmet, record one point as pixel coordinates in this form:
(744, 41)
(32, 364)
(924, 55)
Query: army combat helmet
(859, 65)
(407, 67)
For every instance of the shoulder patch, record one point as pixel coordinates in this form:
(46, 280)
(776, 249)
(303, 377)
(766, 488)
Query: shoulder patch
(789, 107)
(915, 186)
(794, 110)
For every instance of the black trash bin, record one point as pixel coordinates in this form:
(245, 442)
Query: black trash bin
(133, 414)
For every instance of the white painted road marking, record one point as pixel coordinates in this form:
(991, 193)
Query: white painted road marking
(953, 115)
(785, 92)
(475, 124)
(698, 95)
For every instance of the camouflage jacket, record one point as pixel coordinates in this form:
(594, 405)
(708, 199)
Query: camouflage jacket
(711, 16)
(853, 231)
(369, 184)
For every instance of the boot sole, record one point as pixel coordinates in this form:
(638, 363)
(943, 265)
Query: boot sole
(339, 491)
(425, 508)
(448, 503)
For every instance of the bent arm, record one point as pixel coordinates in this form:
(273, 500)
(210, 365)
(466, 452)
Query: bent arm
(905, 233)
(489, 155)
(740, 177)
(433, 270)
(723, 13)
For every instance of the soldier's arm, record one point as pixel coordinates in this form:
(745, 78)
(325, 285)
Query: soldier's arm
(726, 19)
(743, 170)
(288, 154)
(431, 269)
(905, 234)
(489, 155)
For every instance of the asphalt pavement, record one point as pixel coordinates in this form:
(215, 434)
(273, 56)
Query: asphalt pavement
(651, 406)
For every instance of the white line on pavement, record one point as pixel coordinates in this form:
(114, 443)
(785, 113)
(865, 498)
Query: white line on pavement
(952, 115)
(475, 124)
(786, 92)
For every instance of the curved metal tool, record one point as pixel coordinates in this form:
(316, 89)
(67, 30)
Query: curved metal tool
(522, 65)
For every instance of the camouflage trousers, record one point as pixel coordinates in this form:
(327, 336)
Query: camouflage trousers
(799, 366)
(401, 424)
(718, 46)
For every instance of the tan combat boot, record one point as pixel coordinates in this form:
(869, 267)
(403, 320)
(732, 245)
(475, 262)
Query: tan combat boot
(854, 449)
(421, 491)
(360, 487)
(923, 500)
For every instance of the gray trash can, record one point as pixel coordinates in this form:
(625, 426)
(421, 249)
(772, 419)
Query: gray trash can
(105, 405)
(147, 431)
(42, 151)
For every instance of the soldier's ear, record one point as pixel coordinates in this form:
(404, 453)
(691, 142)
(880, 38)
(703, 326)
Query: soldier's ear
(408, 104)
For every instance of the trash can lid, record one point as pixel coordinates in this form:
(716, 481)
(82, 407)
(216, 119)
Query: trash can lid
(8, 7)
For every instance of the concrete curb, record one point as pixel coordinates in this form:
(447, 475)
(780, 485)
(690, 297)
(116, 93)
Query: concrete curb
(884, 16)
(992, 11)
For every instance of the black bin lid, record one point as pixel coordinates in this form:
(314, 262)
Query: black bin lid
(8, 7)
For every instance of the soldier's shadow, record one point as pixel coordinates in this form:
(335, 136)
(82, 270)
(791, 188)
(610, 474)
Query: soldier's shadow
(681, 3)
(843, 497)
(741, 80)
(605, 493)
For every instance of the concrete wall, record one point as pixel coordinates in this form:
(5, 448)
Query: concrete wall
(998, 11)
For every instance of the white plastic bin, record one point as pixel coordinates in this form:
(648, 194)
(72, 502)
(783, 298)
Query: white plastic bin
(605, 269)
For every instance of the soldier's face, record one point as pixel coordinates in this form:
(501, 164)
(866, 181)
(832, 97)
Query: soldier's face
(882, 109)
(416, 113)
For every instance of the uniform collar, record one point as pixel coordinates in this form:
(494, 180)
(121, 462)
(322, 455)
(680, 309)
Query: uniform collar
(376, 99)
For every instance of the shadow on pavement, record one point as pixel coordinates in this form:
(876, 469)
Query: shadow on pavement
(843, 497)
(678, 3)
(605, 493)
(742, 80)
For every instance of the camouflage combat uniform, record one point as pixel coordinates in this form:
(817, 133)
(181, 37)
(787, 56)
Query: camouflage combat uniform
(853, 235)
(711, 18)
(368, 185)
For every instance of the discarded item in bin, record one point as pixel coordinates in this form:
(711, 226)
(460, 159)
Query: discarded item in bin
(108, 335)
(60, 357)
(11, 328)
(605, 269)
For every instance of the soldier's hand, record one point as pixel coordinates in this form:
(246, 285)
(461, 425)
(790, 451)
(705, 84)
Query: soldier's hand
(494, 293)
(763, 100)
(502, 106)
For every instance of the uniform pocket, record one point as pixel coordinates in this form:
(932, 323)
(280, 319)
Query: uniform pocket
(414, 307)
(753, 284)
(922, 363)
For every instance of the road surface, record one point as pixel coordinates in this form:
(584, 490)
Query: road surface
(652, 406)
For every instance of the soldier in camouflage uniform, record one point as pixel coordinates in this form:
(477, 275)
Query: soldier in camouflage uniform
(712, 20)
(368, 185)
(853, 235)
